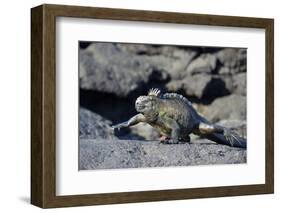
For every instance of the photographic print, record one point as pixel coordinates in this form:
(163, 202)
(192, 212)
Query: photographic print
(153, 105)
(110, 97)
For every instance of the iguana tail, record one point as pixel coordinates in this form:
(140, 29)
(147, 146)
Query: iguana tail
(232, 139)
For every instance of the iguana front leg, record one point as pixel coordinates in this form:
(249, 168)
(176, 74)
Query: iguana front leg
(133, 121)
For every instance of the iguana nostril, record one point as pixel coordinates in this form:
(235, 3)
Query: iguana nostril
(137, 102)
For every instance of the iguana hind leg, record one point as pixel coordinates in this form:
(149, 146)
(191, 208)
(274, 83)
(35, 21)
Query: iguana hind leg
(185, 139)
(232, 137)
(163, 138)
(175, 131)
(205, 128)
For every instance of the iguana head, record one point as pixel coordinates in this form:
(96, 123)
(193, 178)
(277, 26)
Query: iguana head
(149, 103)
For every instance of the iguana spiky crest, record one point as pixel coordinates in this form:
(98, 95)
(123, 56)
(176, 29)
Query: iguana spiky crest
(154, 92)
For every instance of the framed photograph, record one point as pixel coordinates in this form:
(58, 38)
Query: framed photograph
(136, 106)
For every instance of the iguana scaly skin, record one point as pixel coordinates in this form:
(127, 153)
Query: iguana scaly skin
(175, 118)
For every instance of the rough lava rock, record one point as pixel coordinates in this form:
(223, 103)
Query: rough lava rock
(192, 85)
(240, 84)
(92, 125)
(201, 86)
(114, 154)
(239, 126)
(144, 131)
(233, 60)
(206, 63)
(105, 68)
(121, 69)
(232, 107)
(212, 75)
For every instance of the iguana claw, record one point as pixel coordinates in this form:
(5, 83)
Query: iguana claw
(169, 141)
(119, 126)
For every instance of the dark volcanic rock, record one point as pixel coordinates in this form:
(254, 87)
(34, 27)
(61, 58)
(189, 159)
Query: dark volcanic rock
(145, 131)
(113, 154)
(206, 63)
(240, 84)
(231, 107)
(171, 59)
(92, 125)
(233, 59)
(105, 68)
(121, 69)
(191, 85)
(200, 86)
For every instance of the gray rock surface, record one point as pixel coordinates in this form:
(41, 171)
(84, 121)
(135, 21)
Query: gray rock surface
(240, 84)
(192, 85)
(233, 60)
(114, 154)
(122, 69)
(92, 125)
(105, 68)
(239, 126)
(206, 63)
(145, 132)
(231, 107)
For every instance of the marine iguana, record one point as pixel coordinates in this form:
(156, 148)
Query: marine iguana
(175, 118)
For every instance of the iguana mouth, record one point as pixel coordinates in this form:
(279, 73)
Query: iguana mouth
(139, 107)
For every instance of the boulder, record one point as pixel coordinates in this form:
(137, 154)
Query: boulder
(172, 59)
(191, 85)
(205, 63)
(240, 84)
(105, 68)
(127, 70)
(201, 86)
(231, 84)
(232, 107)
(92, 125)
(233, 60)
(145, 132)
(122, 69)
